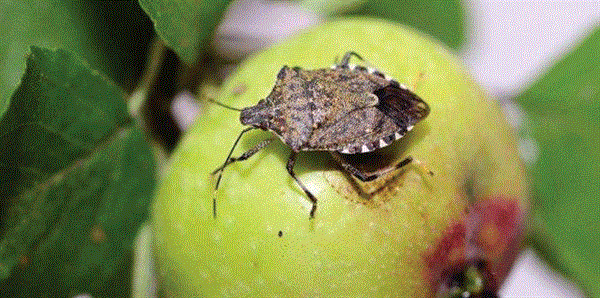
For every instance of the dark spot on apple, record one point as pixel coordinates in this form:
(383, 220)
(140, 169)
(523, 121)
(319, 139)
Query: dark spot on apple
(280, 234)
(467, 279)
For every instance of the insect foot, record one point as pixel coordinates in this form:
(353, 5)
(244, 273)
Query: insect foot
(346, 109)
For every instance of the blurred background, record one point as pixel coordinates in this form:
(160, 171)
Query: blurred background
(509, 45)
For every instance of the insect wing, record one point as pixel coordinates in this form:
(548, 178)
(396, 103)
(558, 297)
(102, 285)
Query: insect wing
(401, 105)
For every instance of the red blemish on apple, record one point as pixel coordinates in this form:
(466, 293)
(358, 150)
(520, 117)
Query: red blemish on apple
(449, 250)
(489, 232)
(499, 233)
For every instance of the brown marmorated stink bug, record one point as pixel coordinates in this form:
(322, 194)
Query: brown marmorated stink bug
(344, 109)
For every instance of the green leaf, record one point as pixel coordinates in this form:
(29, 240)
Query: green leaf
(185, 25)
(33, 22)
(111, 35)
(76, 176)
(564, 109)
(443, 20)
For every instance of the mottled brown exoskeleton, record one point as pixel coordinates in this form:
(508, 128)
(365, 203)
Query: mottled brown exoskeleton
(344, 109)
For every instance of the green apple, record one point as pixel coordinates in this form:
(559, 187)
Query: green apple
(449, 222)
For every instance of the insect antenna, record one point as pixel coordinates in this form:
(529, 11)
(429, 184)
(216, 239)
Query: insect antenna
(222, 104)
(223, 168)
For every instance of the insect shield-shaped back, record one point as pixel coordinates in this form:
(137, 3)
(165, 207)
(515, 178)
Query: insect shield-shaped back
(347, 109)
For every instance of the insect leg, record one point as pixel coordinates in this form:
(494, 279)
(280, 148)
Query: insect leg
(245, 155)
(224, 165)
(366, 177)
(347, 56)
(290, 168)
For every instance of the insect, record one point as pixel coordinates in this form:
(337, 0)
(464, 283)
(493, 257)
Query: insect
(345, 109)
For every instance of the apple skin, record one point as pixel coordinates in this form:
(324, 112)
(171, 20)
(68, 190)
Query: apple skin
(406, 234)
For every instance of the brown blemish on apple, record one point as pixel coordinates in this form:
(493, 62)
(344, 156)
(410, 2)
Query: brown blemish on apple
(239, 89)
(489, 233)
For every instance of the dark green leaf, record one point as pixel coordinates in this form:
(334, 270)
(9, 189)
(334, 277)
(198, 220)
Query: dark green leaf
(76, 176)
(443, 20)
(564, 108)
(111, 35)
(121, 33)
(187, 25)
